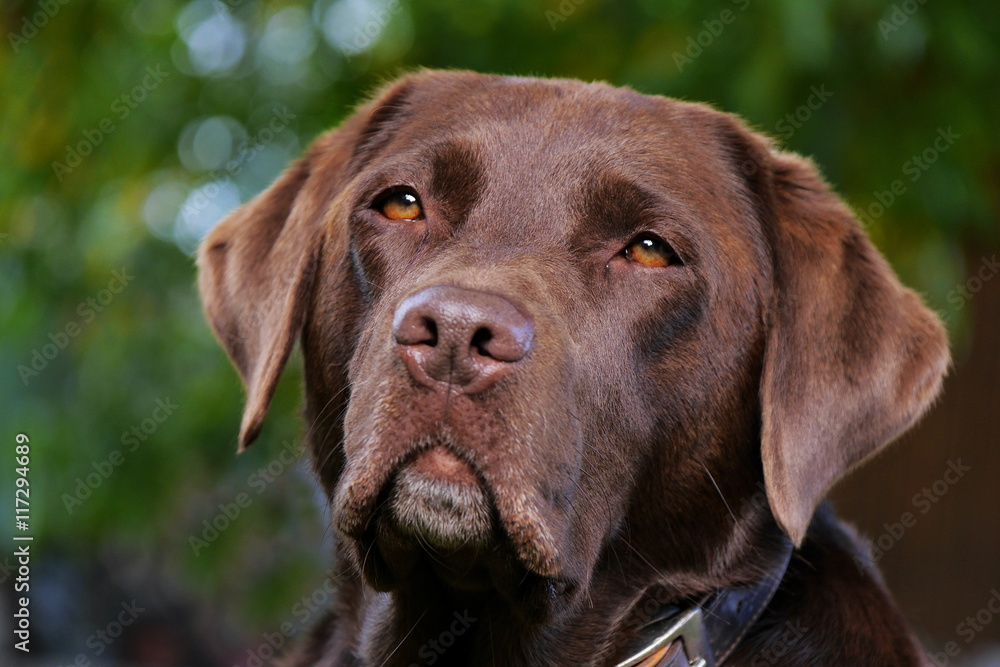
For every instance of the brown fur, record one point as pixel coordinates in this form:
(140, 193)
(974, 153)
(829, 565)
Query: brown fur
(671, 426)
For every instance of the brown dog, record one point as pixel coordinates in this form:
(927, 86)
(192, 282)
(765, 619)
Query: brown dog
(580, 366)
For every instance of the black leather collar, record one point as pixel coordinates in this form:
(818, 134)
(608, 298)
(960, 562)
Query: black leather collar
(705, 634)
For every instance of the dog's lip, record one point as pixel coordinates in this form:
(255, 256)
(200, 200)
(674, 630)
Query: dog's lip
(442, 464)
(368, 475)
(439, 500)
(364, 483)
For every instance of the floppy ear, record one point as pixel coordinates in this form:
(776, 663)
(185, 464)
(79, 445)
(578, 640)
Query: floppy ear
(852, 357)
(256, 268)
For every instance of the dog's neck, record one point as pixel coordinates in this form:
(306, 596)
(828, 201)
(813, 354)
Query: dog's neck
(706, 632)
(430, 624)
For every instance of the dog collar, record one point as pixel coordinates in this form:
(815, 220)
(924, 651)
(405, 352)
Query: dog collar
(706, 634)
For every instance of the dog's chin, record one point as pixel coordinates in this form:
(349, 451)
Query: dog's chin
(434, 520)
(437, 499)
(437, 528)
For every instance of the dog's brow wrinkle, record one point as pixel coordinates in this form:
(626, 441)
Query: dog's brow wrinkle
(613, 207)
(376, 133)
(457, 180)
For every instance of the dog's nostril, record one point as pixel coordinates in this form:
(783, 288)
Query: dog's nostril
(480, 339)
(432, 332)
(412, 327)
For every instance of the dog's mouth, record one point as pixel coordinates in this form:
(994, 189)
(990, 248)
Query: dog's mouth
(438, 499)
(433, 516)
(436, 514)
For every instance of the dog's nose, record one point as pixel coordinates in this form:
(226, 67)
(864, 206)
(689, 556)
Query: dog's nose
(463, 337)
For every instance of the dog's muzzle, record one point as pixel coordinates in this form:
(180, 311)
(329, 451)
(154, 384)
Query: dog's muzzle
(439, 500)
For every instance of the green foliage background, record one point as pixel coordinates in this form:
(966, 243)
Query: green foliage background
(897, 73)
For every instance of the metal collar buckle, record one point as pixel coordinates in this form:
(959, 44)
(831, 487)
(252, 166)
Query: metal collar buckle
(689, 627)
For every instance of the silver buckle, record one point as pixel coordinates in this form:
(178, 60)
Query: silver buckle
(688, 627)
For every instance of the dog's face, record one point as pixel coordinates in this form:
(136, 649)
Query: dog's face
(542, 319)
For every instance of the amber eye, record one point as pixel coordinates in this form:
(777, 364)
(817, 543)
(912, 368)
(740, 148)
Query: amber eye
(400, 204)
(651, 251)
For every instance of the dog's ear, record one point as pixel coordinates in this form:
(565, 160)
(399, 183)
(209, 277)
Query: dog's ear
(852, 357)
(256, 268)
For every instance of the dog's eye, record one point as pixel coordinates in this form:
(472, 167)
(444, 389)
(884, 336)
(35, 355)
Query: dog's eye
(399, 204)
(652, 251)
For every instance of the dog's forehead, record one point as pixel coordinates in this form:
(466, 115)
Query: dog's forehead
(526, 124)
(531, 134)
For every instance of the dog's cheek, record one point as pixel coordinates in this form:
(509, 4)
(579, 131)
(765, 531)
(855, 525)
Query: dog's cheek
(329, 343)
(373, 376)
(603, 432)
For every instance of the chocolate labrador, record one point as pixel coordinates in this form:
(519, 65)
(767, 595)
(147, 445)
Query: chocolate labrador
(580, 366)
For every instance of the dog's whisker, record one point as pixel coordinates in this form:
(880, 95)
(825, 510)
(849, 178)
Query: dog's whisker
(364, 561)
(656, 570)
(318, 419)
(493, 655)
(403, 640)
(719, 491)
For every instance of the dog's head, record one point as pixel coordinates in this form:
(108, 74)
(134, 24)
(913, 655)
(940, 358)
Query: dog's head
(542, 319)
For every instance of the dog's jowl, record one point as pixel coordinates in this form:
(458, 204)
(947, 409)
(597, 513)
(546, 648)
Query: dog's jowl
(581, 365)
